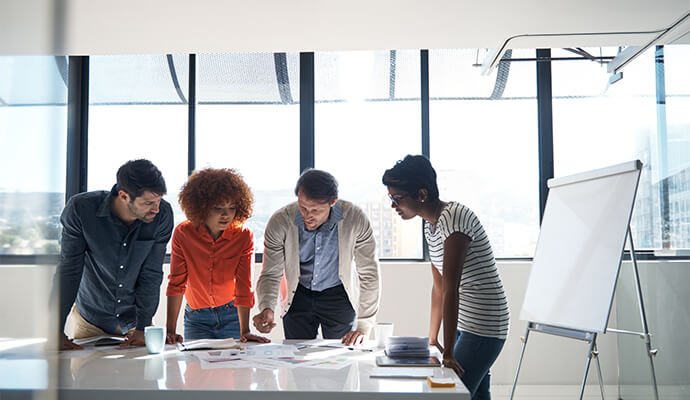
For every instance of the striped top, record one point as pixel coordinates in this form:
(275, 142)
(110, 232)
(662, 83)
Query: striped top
(483, 308)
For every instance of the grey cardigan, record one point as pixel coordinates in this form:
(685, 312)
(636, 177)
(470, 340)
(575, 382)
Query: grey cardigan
(355, 244)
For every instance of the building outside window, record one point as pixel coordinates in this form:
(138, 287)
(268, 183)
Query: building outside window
(368, 116)
(33, 132)
(597, 124)
(483, 135)
(248, 120)
(138, 109)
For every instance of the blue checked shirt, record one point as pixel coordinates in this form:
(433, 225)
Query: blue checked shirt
(318, 252)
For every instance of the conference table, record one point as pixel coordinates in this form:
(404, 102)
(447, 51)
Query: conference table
(105, 373)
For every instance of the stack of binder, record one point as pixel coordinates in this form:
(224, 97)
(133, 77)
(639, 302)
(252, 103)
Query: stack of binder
(407, 347)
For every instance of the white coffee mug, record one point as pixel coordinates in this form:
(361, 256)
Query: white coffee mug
(383, 331)
(155, 339)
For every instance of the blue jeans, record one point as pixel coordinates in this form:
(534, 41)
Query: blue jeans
(219, 322)
(476, 354)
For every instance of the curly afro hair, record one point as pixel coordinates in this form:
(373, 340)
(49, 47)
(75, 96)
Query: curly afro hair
(210, 187)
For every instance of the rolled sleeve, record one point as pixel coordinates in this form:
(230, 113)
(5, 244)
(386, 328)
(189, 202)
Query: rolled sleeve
(268, 285)
(148, 285)
(244, 294)
(177, 280)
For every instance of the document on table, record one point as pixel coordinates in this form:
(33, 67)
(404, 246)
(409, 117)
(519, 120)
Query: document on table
(331, 344)
(205, 344)
(255, 351)
(267, 356)
(103, 340)
(269, 350)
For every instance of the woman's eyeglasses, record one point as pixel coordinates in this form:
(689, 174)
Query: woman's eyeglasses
(395, 199)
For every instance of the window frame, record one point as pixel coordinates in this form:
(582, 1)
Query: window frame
(77, 136)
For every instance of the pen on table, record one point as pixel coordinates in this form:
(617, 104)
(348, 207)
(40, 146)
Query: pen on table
(359, 348)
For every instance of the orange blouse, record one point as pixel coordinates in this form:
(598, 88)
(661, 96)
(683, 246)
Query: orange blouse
(211, 273)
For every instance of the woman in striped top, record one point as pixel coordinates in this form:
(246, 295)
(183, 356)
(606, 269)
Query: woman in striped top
(467, 292)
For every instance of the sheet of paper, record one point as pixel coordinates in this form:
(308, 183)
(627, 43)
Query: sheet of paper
(329, 363)
(263, 363)
(269, 350)
(267, 356)
(217, 355)
(205, 344)
(100, 340)
(333, 343)
(321, 343)
(218, 359)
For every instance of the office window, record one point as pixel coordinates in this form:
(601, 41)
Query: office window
(248, 119)
(138, 109)
(596, 124)
(483, 137)
(368, 116)
(33, 132)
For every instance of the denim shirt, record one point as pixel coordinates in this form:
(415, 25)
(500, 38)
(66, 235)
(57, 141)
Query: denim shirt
(113, 271)
(318, 252)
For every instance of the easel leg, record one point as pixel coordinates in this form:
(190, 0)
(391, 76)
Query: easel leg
(601, 378)
(643, 315)
(524, 344)
(592, 346)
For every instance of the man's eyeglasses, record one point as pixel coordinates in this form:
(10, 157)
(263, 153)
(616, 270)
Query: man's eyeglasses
(395, 199)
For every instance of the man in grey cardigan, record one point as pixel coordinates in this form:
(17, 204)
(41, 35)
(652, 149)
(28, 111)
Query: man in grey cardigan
(314, 242)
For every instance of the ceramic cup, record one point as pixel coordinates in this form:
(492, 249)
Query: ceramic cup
(155, 339)
(382, 332)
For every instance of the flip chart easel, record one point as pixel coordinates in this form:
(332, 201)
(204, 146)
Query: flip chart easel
(577, 261)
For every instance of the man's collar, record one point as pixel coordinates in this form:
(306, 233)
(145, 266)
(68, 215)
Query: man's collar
(104, 208)
(335, 216)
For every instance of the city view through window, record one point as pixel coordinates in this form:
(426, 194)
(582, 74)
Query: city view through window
(483, 136)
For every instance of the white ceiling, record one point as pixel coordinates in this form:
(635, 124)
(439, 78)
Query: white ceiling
(79, 27)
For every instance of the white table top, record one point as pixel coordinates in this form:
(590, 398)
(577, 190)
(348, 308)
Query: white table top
(109, 373)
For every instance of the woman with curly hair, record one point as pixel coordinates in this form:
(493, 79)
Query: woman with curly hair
(210, 263)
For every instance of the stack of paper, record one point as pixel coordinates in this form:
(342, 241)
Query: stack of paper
(209, 344)
(407, 346)
(103, 340)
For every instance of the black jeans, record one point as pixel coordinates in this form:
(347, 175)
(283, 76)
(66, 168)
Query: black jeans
(329, 308)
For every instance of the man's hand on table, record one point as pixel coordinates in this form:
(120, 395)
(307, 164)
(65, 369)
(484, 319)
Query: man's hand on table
(353, 338)
(250, 337)
(67, 343)
(135, 338)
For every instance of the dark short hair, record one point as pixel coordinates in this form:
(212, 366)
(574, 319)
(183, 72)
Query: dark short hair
(317, 185)
(137, 176)
(411, 174)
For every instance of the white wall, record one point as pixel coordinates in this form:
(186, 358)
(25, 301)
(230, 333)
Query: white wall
(405, 302)
(24, 300)
(93, 27)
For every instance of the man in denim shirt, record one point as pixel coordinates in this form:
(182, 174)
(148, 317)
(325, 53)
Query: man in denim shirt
(113, 247)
